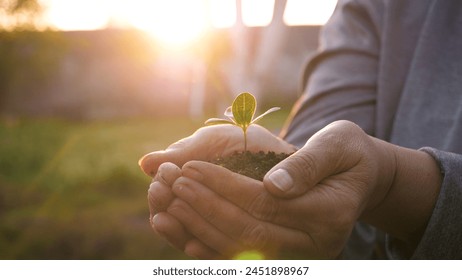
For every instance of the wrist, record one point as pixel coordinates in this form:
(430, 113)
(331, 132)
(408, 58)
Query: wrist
(385, 159)
(407, 188)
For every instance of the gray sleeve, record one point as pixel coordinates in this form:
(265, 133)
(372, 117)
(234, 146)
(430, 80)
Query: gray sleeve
(340, 81)
(442, 238)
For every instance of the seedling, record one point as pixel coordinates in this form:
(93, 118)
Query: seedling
(241, 114)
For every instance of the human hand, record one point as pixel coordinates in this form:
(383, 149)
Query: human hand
(165, 225)
(340, 172)
(210, 142)
(339, 176)
(206, 144)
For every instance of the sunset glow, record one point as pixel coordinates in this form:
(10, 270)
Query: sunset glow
(176, 22)
(76, 15)
(173, 22)
(308, 12)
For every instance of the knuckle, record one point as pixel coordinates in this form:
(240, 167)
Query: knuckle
(256, 236)
(344, 135)
(168, 172)
(201, 232)
(178, 208)
(180, 144)
(158, 197)
(338, 132)
(304, 163)
(155, 203)
(264, 207)
(344, 221)
(209, 212)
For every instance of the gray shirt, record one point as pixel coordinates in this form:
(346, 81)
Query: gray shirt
(394, 67)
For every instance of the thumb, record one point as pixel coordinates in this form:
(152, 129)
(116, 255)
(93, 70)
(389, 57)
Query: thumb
(301, 171)
(293, 176)
(178, 153)
(332, 150)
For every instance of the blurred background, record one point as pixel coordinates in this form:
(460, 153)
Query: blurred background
(88, 87)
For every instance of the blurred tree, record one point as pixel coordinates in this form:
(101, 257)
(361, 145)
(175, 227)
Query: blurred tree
(19, 5)
(28, 59)
(19, 13)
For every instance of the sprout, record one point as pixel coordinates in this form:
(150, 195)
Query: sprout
(241, 114)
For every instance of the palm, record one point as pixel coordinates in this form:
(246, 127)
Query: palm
(210, 142)
(223, 140)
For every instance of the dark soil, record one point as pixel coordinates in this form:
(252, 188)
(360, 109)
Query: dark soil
(253, 165)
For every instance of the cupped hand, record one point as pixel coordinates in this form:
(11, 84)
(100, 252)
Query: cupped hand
(210, 142)
(205, 144)
(160, 197)
(325, 188)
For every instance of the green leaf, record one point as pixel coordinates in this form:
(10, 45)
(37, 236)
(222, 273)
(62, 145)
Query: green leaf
(229, 112)
(274, 109)
(244, 109)
(241, 114)
(214, 121)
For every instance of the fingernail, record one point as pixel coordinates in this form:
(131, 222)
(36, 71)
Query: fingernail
(281, 179)
(143, 159)
(140, 161)
(152, 187)
(153, 220)
(160, 177)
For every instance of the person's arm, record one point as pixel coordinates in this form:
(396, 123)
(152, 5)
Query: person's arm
(340, 80)
(441, 237)
(405, 191)
(339, 176)
(405, 208)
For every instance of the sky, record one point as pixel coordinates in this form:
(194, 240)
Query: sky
(177, 20)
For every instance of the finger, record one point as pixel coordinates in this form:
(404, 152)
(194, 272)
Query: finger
(194, 147)
(159, 193)
(203, 230)
(150, 163)
(167, 173)
(178, 153)
(159, 197)
(237, 223)
(197, 249)
(171, 229)
(245, 192)
(306, 213)
(324, 154)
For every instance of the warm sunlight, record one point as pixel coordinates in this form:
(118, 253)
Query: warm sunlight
(177, 22)
(257, 12)
(76, 15)
(174, 22)
(222, 13)
(308, 12)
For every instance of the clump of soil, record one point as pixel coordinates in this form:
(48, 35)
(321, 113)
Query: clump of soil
(253, 165)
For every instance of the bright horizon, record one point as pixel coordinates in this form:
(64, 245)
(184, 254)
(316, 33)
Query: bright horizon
(164, 20)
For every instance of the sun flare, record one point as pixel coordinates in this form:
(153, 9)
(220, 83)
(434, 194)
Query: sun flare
(177, 22)
(76, 15)
(174, 22)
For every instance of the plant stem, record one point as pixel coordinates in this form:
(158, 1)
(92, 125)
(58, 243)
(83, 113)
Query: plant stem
(245, 141)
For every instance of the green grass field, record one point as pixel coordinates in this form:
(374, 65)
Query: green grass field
(73, 190)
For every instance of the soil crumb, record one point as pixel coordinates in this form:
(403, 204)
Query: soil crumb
(253, 165)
